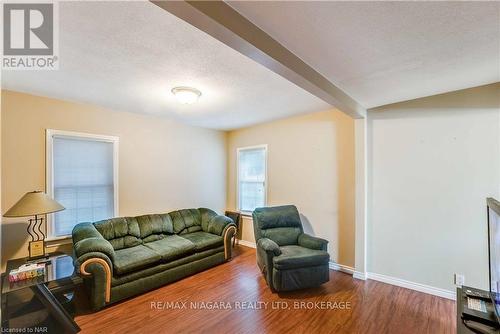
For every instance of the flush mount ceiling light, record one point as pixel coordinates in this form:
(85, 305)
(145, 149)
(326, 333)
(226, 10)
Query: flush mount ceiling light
(186, 95)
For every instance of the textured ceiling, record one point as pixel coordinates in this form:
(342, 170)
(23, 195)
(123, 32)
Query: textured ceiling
(127, 56)
(386, 52)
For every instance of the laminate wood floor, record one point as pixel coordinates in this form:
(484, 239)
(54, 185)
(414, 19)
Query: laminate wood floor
(237, 293)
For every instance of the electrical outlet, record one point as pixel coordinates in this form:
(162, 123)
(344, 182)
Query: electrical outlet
(459, 279)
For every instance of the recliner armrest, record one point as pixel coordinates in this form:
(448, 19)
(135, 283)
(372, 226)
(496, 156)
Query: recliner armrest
(267, 249)
(307, 241)
(219, 224)
(269, 246)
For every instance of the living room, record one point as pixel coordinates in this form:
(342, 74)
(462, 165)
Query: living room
(211, 167)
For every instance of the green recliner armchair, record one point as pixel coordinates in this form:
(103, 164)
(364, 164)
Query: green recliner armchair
(288, 258)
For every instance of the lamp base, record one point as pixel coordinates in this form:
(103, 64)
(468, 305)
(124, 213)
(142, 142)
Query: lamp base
(36, 249)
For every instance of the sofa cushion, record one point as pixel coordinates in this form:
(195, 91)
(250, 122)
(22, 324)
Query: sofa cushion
(125, 242)
(154, 224)
(204, 240)
(120, 232)
(298, 257)
(153, 237)
(153, 270)
(134, 258)
(206, 217)
(186, 220)
(172, 247)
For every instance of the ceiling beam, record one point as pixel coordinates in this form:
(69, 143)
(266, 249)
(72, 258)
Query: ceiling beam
(222, 22)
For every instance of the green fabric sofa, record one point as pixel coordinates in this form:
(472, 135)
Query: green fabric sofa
(288, 258)
(122, 257)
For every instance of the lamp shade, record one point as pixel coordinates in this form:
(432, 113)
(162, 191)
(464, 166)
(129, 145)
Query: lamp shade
(34, 203)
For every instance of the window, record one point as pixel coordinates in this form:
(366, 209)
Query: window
(82, 175)
(252, 177)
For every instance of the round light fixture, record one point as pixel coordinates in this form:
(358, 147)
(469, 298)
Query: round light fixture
(186, 95)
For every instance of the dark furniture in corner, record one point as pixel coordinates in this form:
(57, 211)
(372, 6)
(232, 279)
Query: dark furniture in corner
(474, 325)
(236, 217)
(122, 257)
(44, 301)
(288, 258)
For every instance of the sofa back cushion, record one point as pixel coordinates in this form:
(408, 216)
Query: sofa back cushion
(280, 223)
(154, 227)
(125, 232)
(206, 217)
(121, 232)
(186, 220)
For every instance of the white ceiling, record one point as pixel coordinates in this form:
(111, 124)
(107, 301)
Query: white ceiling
(386, 52)
(127, 56)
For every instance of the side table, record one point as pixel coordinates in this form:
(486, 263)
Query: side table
(54, 291)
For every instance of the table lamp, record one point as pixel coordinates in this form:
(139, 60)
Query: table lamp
(35, 203)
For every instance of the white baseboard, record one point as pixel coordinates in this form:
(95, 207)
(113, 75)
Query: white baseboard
(341, 267)
(413, 286)
(246, 243)
(381, 278)
(359, 275)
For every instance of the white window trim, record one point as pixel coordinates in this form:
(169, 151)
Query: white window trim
(49, 177)
(246, 148)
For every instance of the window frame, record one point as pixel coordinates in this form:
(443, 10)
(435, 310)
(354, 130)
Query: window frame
(238, 152)
(49, 177)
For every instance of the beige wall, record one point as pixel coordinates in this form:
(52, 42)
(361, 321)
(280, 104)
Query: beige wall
(163, 165)
(311, 165)
(1, 218)
(432, 163)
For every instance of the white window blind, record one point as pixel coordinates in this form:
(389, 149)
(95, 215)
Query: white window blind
(251, 178)
(82, 181)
